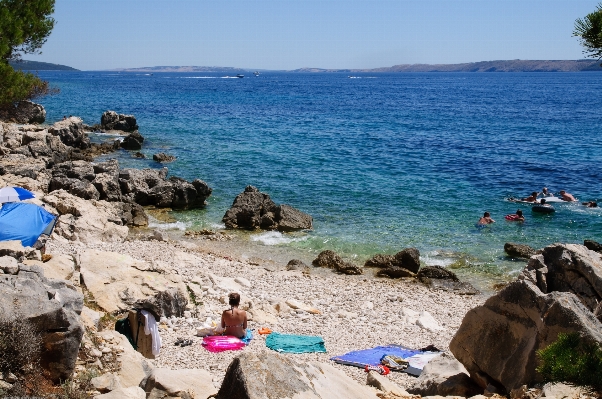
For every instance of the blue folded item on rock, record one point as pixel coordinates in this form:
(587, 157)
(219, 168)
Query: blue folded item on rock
(248, 336)
(295, 343)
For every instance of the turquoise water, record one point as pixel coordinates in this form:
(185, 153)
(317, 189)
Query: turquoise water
(382, 161)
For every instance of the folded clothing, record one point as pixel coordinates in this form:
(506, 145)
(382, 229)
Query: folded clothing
(295, 343)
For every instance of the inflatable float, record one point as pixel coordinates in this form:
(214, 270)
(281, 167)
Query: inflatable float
(512, 218)
(543, 209)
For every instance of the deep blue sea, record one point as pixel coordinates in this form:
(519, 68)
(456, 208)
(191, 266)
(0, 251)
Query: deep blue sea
(381, 161)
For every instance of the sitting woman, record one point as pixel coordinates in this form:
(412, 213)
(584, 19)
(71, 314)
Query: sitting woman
(234, 320)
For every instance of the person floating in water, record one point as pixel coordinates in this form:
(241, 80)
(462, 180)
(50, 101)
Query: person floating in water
(531, 198)
(545, 193)
(516, 217)
(485, 220)
(566, 196)
(590, 204)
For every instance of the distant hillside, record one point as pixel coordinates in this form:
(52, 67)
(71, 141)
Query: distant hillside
(183, 69)
(39, 66)
(483, 66)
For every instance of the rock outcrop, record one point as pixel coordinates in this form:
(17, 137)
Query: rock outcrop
(252, 210)
(52, 307)
(593, 245)
(444, 376)
(71, 133)
(518, 250)
(132, 141)
(181, 383)
(119, 282)
(23, 112)
(331, 260)
(111, 120)
(497, 342)
(271, 375)
(163, 157)
(405, 263)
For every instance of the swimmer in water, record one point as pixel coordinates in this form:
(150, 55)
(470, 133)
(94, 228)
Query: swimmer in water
(485, 220)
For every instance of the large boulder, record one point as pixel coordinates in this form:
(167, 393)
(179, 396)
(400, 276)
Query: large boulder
(162, 157)
(132, 141)
(252, 210)
(444, 376)
(111, 120)
(23, 112)
(498, 341)
(518, 250)
(118, 282)
(52, 307)
(71, 132)
(405, 263)
(181, 383)
(331, 260)
(271, 375)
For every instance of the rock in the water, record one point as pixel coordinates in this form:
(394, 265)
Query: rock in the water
(111, 120)
(163, 157)
(132, 141)
(405, 263)
(409, 259)
(23, 112)
(295, 264)
(252, 210)
(444, 376)
(182, 383)
(71, 132)
(380, 261)
(271, 375)
(593, 245)
(518, 250)
(119, 282)
(52, 307)
(331, 260)
(497, 342)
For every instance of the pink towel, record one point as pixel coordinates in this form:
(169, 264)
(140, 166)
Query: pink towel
(220, 343)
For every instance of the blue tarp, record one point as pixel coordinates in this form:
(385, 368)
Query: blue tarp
(295, 343)
(24, 222)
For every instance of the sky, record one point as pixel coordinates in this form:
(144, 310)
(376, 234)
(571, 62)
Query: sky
(291, 34)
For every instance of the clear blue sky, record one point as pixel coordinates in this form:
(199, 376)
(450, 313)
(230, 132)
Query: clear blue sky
(289, 34)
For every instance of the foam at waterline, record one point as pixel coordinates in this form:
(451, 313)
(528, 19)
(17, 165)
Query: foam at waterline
(438, 260)
(156, 224)
(275, 238)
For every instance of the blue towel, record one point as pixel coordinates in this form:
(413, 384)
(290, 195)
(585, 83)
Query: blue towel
(371, 357)
(248, 337)
(295, 343)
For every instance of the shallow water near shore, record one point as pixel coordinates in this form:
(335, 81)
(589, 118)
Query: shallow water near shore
(381, 164)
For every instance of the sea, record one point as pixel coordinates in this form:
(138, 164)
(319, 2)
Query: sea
(381, 161)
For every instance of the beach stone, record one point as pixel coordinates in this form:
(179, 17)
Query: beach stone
(593, 245)
(132, 141)
(106, 383)
(331, 260)
(124, 393)
(243, 282)
(428, 322)
(385, 385)
(409, 259)
(380, 261)
(559, 390)
(295, 264)
(118, 282)
(294, 304)
(182, 383)
(497, 342)
(444, 376)
(9, 265)
(271, 375)
(52, 307)
(518, 250)
(91, 318)
(252, 210)
(163, 157)
(438, 277)
(395, 272)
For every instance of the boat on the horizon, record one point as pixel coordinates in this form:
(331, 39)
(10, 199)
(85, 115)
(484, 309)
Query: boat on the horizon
(256, 73)
(240, 76)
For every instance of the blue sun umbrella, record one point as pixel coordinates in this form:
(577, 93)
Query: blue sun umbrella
(14, 194)
(25, 222)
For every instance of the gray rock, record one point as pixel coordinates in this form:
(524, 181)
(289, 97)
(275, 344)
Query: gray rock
(80, 170)
(21, 165)
(295, 264)
(444, 376)
(106, 383)
(409, 259)
(71, 132)
(331, 260)
(593, 245)
(497, 342)
(380, 261)
(518, 250)
(182, 383)
(9, 265)
(252, 210)
(52, 307)
(405, 263)
(133, 141)
(124, 393)
(23, 112)
(80, 188)
(438, 277)
(163, 157)
(395, 272)
(384, 384)
(271, 375)
(107, 185)
(111, 120)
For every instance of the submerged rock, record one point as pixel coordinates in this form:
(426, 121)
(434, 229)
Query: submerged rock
(518, 250)
(252, 210)
(163, 157)
(331, 260)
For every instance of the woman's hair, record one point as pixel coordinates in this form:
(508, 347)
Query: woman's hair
(519, 212)
(234, 299)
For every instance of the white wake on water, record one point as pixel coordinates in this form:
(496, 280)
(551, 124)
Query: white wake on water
(275, 238)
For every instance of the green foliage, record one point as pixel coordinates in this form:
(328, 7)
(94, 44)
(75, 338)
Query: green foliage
(24, 26)
(571, 360)
(18, 85)
(589, 32)
(193, 297)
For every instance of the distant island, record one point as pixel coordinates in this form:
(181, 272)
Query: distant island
(25, 65)
(482, 66)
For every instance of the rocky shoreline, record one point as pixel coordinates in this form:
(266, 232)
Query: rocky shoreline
(98, 267)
